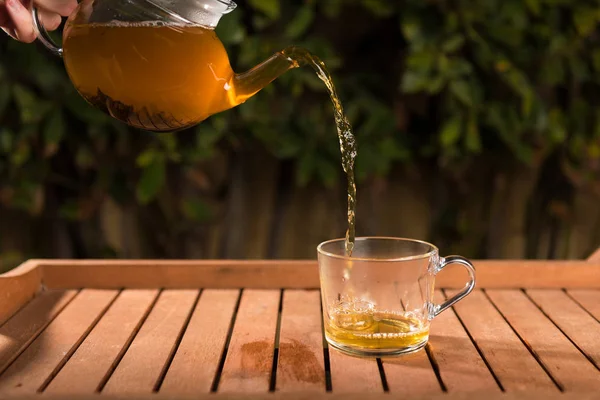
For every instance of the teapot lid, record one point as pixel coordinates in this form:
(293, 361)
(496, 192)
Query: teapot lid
(202, 12)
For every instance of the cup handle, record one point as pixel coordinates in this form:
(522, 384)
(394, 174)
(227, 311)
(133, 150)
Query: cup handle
(43, 35)
(437, 309)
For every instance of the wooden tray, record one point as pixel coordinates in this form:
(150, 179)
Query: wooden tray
(187, 329)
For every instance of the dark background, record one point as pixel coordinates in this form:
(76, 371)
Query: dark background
(476, 122)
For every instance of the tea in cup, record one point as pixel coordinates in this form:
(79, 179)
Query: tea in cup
(379, 302)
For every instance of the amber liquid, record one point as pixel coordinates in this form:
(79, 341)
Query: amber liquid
(151, 76)
(375, 330)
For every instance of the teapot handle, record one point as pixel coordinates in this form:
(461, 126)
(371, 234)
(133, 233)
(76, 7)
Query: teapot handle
(43, 35)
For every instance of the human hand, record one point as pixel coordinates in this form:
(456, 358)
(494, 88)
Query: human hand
(16, 19)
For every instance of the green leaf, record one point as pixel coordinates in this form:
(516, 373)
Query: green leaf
(379, 8)
(84, 158)
(558, 132)
(270, 8)
(451, 131)
(301, 22)
(196, 210)
(455, 67)
(146, 157)
(473, 140)
(534, 6)
(230, 29)
(54, 131)
(436, 84)
(6, 140)
(151, 181)
(413, 82)
(410, 25)
(21, 153)
(462, 91)
(422, 61)
(585, 20)
(31, 109)
(453, 43)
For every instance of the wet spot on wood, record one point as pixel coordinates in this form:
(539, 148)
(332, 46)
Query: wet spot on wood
(301, 363)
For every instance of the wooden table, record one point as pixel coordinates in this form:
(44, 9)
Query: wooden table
(184, 329)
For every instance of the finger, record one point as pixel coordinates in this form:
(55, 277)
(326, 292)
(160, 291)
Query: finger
(21, 18)
(62, 7)
(50, 21)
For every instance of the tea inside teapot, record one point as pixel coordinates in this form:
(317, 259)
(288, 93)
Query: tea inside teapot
(149, 74)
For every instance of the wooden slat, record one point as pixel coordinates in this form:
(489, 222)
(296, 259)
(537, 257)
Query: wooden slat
(93, 359)
(411, 375)
(249, 359)
(36, 364)
(195, 364)
(576, 323)
(182, 274)
(17, 287)
(461, 367)
(588, 299)
(301, 363)
(142, 365)
(18, 332)
(353, 374)
(66, 274)
(512, 363)
(566, 364)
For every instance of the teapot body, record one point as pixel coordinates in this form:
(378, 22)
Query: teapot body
(151, 71)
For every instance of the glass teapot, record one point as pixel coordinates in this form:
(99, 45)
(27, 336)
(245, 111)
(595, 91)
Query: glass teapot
(156, 64)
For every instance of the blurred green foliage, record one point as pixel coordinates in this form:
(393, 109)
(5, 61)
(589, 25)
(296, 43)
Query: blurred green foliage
(423, 81)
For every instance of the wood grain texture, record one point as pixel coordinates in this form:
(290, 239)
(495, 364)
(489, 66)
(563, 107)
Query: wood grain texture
(94, 358)
(249, 359)
(19, 331)
(17, 287)
(575, 322)
(588, 299)
(261, 274)
(411, 375)
(352, 374)
(49, 349)
(461, 367)
(566, 364)
(141, 367)
(195, 364)
(512, 363)
(301, 364)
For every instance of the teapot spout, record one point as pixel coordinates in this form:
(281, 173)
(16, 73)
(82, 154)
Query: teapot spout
(248, 83)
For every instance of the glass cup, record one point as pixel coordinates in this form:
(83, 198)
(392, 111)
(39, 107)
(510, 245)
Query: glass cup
(379, 302)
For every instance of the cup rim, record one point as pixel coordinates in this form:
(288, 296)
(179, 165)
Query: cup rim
(428, 254)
